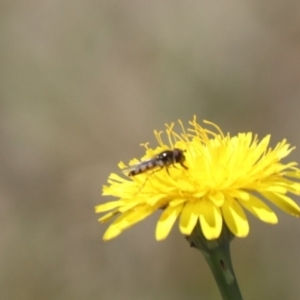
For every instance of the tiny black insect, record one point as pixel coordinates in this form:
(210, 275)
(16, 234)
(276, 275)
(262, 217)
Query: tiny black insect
(163, 159)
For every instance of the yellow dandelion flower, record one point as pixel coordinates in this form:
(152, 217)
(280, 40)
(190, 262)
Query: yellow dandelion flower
(216, 180)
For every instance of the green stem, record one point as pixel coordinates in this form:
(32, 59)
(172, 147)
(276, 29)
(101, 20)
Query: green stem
(217, 255)
(220, 264)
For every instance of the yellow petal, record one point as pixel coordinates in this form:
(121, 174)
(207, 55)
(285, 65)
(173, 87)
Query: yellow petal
(217, 198)
(121, 165)
(283, 202)
(116, 177)
(166, 221)
(107, 206)
(239, 194)
(114, 229)
(275, 189)
(155, 199)
(293, 187)
(235, 218)
(292, 174)
(176, 202)
(134, 216)
(111, 233)
(108, 216)
(128, 206)
(126, 220)
(259, 209)
(210, 218)
(188, 218)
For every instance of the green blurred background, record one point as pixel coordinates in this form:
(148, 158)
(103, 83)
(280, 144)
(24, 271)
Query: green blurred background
(83, 83)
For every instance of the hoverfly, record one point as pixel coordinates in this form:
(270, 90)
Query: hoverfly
(163, 159)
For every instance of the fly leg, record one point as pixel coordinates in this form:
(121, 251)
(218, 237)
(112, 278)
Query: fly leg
(147, 178)
(185, 167)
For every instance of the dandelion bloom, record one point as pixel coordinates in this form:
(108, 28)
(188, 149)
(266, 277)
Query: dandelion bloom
(223, 176)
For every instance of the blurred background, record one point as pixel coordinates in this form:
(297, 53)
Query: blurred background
(83, 83)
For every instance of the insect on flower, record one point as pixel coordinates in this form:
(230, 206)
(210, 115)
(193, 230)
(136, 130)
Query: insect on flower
(227, 175)
(162, 160)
